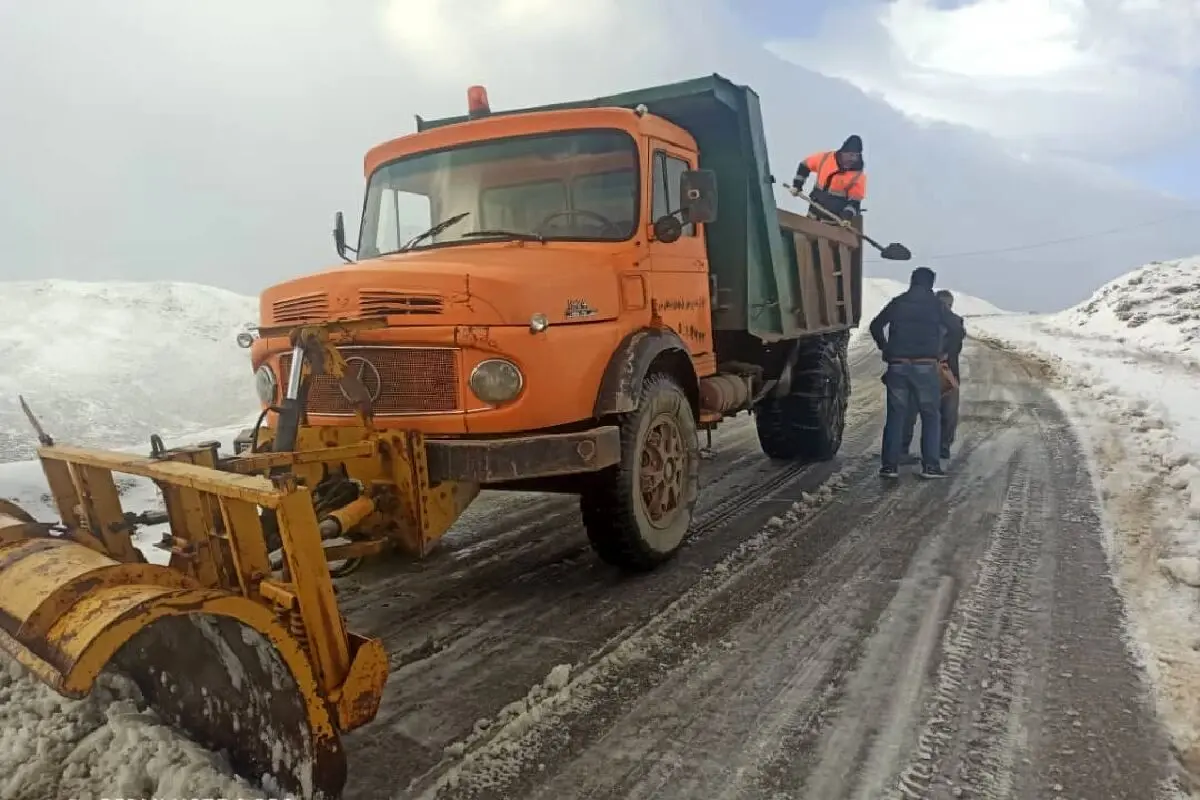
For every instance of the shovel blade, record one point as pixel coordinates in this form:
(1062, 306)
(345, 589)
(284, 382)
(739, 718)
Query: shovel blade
(896, 252)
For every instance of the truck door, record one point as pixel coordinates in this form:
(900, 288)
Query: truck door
(678, 270)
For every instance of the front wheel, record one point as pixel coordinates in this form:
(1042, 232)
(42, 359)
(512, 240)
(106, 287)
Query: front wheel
(638, 511)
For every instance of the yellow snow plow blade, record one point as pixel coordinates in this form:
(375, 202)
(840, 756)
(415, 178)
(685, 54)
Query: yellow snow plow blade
(246, 661)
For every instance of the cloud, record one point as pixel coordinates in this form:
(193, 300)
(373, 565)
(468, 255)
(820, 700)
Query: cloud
(1094, 78)
(212, 141)
(441, 35)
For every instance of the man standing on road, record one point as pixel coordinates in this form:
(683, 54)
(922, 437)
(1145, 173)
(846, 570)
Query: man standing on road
(952, 346)
(916, 321)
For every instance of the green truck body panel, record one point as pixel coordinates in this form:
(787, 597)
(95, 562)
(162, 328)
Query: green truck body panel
(754, 258)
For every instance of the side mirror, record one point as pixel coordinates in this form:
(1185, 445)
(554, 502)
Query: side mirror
(698, 195)
(668, 228)
(339, 236)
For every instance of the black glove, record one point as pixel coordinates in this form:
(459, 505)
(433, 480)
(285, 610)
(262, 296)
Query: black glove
(849, 213)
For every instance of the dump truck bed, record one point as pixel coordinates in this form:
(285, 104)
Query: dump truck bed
(765, 284)
(821, 289)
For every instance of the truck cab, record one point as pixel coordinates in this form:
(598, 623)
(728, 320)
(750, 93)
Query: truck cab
(503, 320)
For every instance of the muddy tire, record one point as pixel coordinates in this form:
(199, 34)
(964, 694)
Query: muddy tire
(808, 423)
(638, 512)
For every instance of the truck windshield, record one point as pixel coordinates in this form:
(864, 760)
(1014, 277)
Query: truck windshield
(577, 185)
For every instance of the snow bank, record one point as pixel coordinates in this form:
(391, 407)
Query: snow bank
(107, 364)
(1126, 365)
(1155, 307)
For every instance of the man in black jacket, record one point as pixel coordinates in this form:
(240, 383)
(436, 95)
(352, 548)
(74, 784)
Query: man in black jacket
(952, 348)
(916, 321)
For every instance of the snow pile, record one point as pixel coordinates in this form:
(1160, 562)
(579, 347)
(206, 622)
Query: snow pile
(1126, 364)
(101, 746)
(108, 364)
(808, 504)
(1156, 307)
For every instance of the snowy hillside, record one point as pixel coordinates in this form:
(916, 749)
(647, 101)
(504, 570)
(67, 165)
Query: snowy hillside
(1156, 307)
(111, 363)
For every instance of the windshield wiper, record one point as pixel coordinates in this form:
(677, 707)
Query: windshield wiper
(434, 231)
(521, 235)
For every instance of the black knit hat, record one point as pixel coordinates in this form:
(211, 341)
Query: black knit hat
(853, 144)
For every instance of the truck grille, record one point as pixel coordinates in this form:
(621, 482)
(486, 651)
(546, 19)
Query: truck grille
(387, 302)
(412, 380)
(303, 308)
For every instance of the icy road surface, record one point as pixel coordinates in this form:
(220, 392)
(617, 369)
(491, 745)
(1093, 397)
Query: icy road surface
(823, 635)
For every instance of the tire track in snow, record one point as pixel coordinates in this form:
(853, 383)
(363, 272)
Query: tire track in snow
(911, 531)
(888, 745)
(984, 648)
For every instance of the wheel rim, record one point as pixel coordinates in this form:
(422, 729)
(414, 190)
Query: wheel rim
(662, 471)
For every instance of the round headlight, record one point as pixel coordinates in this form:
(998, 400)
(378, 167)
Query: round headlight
(496, 381)
(265, 385)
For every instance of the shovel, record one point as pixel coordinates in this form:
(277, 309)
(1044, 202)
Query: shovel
(893, 252)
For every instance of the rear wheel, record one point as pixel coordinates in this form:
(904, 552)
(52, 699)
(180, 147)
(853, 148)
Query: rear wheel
(808, 423)
(638, 512)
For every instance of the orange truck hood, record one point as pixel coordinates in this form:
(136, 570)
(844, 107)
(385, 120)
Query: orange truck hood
(480, 285)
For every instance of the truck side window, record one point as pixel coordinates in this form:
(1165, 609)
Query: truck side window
(667, 170)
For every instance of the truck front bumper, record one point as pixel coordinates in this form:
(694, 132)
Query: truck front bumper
(511, 458)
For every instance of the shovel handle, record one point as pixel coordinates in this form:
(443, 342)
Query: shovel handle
(796, 191)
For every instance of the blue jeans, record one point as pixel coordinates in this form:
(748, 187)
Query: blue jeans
(949, 410)
(907, 384)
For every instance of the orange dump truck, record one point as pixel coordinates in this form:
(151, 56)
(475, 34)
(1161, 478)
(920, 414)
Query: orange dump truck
(564, 307)
(549, 299)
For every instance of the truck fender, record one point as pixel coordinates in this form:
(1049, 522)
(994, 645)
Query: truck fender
(629, 364)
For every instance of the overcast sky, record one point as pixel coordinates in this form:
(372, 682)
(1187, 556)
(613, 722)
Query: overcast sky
(212, 140)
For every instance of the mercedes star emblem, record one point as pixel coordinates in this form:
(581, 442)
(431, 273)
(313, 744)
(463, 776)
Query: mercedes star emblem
(367, 374)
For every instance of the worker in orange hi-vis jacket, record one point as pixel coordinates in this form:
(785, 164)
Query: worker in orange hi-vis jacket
(841, 182)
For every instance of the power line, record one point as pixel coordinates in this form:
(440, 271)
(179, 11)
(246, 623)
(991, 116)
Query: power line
(1050, 242)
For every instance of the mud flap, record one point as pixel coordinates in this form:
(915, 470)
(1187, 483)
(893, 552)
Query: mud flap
(215, 665)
